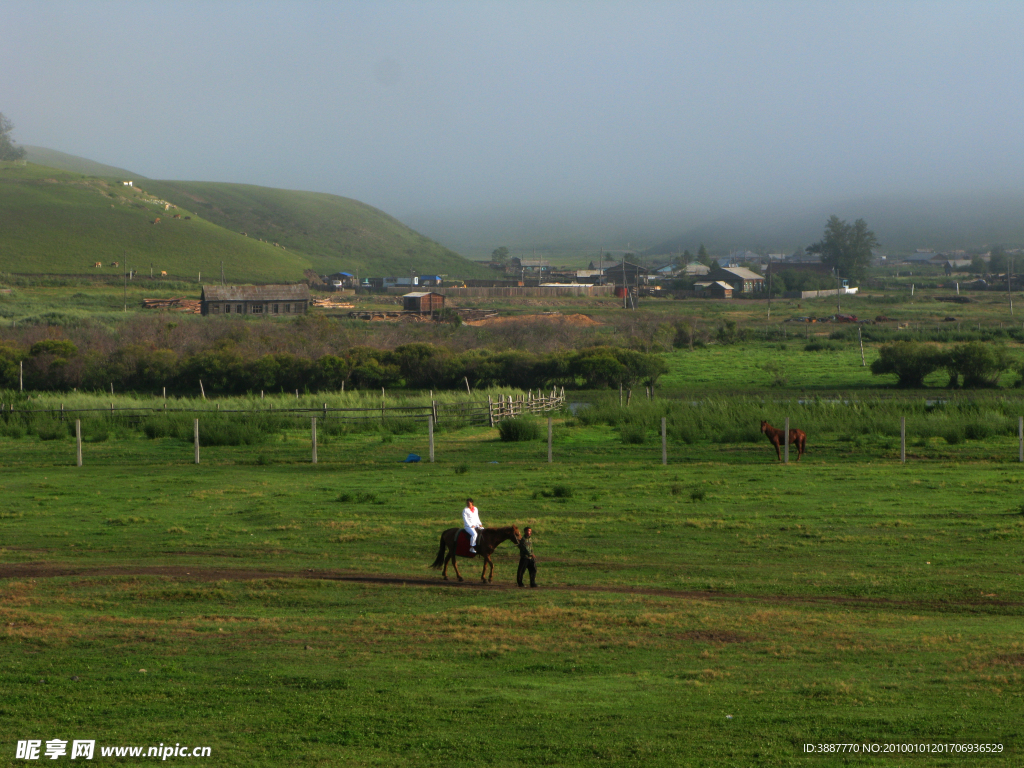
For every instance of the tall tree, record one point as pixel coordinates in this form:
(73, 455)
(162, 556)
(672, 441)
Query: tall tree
(499, 255)
(7, 149)
(846, 247)
(702, 256)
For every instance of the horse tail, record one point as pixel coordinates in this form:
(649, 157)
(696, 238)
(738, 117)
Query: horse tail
(439, 560)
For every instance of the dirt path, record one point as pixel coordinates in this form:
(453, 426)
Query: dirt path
(48, 570)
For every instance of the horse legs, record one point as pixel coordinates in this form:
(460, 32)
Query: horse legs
(778, 453)
(483, 573)
(444, 573)
(455, 565)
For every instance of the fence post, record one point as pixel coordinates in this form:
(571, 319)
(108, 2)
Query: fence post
(78, 441)
(21, 375)
(860, 338)
(430, 432)
(550, 459)
(490, 411)
(165, 393)
(664, 442)
(313, 434)
(903, 439)
(787, 441)
(196, 439)
(202, 392)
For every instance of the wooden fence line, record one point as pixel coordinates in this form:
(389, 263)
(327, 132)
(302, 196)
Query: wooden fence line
(475, 411)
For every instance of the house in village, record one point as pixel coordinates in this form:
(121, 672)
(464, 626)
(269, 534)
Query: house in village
(741, 279)
(696, 269)
(625, 273)
(713, 290)
(274, 300)
(423, 302)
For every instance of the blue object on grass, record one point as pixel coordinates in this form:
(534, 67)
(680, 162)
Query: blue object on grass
(410, 459)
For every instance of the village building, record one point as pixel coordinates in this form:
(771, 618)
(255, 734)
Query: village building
(741, 279)
(713, 290)
(260, 300)
(423, 302)
(625, 273)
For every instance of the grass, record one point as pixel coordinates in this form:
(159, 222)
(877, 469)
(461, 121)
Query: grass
(61, 222)
(844, 599)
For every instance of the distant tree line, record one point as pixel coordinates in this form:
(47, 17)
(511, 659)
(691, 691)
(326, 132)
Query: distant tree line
(58, 365)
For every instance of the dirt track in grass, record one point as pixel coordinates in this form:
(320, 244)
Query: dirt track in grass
(49, 570)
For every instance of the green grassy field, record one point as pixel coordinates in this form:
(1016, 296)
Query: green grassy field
(722, 610)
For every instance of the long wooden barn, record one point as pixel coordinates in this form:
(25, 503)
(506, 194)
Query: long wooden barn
(260, 300)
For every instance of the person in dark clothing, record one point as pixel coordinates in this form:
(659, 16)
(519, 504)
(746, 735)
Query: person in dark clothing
(527, 562)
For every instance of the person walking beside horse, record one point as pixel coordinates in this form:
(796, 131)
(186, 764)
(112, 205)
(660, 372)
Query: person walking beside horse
(527, 562)
(777, 437)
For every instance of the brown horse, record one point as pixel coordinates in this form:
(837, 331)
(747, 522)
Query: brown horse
(486, 541)
(777, 437)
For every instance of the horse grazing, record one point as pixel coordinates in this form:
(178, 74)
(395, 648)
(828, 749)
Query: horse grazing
(777, 437)
(487, 541)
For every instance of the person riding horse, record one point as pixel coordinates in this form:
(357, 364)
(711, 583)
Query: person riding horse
(471, 523)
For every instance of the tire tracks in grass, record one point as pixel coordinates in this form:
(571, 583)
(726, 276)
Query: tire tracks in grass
(52, 570)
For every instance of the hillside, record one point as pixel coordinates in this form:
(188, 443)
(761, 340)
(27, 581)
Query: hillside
(51, 158)
(334, 233)
(59, 222)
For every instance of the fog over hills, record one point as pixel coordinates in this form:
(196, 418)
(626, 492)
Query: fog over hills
(944, 221)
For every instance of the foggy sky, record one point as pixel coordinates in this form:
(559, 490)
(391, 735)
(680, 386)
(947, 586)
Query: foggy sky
(420, 106)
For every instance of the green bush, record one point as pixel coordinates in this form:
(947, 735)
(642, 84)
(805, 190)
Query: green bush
(518, 430)
(910, 361)
(633, 434)
(50, 429)
(977, 431)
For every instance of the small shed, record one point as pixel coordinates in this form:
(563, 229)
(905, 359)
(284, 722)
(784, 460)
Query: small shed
(425, 302)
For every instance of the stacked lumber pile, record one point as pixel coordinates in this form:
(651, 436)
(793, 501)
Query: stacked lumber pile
(332, 304)
(179, 304)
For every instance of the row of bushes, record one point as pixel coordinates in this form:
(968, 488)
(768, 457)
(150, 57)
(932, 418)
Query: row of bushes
(58, 365)
(972, 365)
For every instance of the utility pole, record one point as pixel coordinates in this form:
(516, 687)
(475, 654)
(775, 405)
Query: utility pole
(1009, 280)
(770, 270)
(124, 272)
(838, 293)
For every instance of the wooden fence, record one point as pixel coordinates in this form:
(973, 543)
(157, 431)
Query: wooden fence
(475, 412)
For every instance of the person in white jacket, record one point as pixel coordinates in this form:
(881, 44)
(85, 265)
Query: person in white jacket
(471, 523)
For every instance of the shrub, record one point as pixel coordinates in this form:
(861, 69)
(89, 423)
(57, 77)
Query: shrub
(977, 431)
(562, 491)
(518, 430)
(910, 361)
(462, 469)
(51, 429)
(954, 435)
(822, 346)
(697, 494)
(633, 434)
(977, 363)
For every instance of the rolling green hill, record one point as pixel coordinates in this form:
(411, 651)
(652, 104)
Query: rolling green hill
(58, 222)
(62, 221)
(335, 233)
